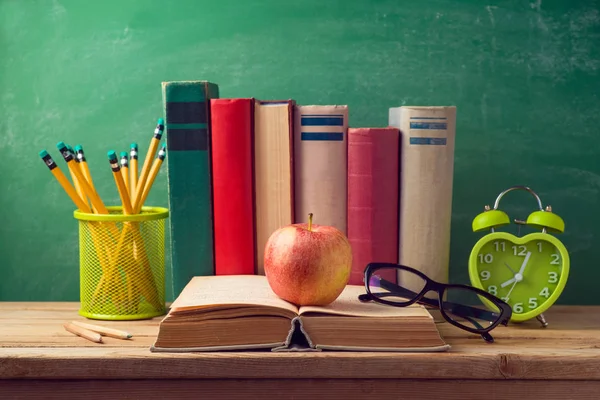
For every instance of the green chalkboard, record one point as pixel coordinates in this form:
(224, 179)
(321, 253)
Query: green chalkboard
(524, 76)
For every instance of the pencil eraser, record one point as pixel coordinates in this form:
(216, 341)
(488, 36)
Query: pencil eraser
(61, 145)
(164, 146)
(43, 153)
(78, 148)
(134, 146)
(161, 121)
(123, 154)
(70, 149)
(112, 155)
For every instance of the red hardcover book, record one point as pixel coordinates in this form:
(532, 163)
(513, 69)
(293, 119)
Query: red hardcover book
(233, 194)
(372, 198)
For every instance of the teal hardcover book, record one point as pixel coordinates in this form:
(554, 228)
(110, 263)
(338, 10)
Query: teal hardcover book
(187, 130)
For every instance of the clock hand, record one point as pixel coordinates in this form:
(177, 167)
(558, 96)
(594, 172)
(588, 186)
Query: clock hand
(519, 275)
(510, 291)
(524, 263)
(511, 270)
(508, 282)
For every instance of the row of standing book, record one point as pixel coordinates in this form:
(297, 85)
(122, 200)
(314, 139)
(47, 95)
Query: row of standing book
(240, 168)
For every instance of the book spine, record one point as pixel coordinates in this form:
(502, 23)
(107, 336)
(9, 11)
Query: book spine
(187, 130)
(372, 199)
(233, 197)
(273, 171)
(426, 179)
(321, 164)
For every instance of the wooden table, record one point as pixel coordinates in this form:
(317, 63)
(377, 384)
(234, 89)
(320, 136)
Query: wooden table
(39, 358)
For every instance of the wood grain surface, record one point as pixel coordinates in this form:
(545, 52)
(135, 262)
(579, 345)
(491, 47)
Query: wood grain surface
(561, 361)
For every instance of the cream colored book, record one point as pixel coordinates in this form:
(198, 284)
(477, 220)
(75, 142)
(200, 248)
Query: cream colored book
(321, 164)
(426, 179)
(236, 312)
(273, 171)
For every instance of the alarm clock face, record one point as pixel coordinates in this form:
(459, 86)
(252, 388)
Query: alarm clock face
(526, 275)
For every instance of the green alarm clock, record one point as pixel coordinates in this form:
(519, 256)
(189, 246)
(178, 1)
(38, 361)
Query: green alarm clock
(528, 272)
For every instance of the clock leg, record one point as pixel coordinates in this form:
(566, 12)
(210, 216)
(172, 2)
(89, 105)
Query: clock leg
(542, 320)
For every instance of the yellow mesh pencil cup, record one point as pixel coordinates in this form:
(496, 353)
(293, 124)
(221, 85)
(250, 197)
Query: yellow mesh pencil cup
(122, 264)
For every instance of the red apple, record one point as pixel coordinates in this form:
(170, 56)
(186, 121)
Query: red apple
(308, 264)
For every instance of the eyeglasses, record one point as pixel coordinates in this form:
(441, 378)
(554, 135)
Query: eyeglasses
(460, 305)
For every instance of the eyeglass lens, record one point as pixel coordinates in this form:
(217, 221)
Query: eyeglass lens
(463, 306)
(382, 287)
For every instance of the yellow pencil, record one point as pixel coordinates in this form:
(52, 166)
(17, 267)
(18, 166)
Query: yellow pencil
(79, 202)
(76, 184)
(85, 170)
(152, 176)
(64, 182)
(146, 168)
(96, 201)
(125, 200)
(133, 169)
(128, 227)
(125, 170)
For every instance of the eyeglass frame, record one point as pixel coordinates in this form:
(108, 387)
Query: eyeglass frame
(431, 285)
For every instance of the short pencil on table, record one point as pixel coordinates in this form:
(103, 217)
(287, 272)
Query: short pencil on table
(104, 331)
(83, 332)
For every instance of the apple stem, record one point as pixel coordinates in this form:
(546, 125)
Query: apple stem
(309, 221)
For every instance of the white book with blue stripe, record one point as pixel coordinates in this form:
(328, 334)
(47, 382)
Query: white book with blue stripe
(321, 164)
(426, 180)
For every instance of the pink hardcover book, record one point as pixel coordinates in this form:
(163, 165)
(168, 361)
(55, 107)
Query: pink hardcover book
(373, 176)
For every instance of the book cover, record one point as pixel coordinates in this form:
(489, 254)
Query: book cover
(426, 179)
(232, 177)
(373, 190)
(273, 171)
(187, 130)
(242, 312)
(321, 164)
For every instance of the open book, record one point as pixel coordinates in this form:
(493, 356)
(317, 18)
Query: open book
(236, 312)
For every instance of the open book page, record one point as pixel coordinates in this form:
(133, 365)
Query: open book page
(348, 304)
(207, 291)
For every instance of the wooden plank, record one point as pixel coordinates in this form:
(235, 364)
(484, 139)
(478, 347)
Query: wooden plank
(125, 363)
(233, 389)
(34, 344)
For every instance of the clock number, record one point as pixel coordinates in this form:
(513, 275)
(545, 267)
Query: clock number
(539, 246)
(545, 292)
(485, 275)
(500, 245)
(488, 258)
(518, 308)
(493, 290)
(555, 258)
(553, 278)
(532, 302)
(522, 250)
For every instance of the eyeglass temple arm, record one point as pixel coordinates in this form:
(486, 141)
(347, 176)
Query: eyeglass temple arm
(485, 335)
(457, 309)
